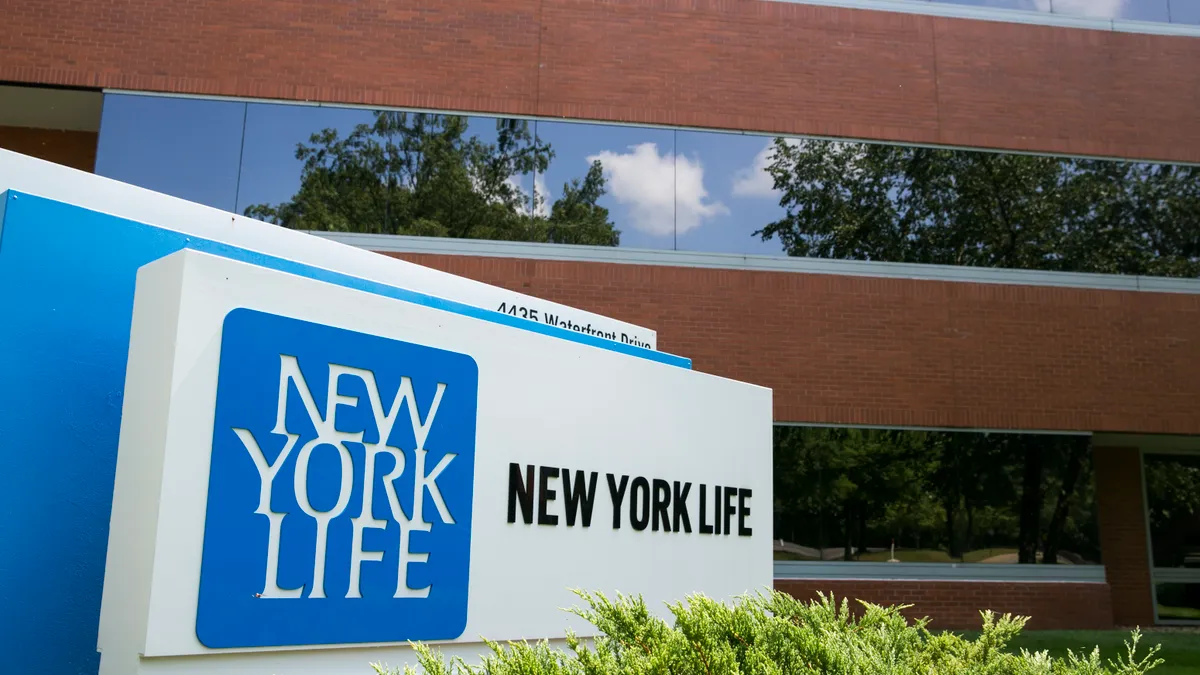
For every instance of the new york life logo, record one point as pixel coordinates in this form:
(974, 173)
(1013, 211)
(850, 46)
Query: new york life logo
(340, 492)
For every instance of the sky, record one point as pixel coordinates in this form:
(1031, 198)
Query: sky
(667, 189)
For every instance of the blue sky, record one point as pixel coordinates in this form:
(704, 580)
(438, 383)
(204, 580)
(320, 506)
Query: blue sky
(667, 189)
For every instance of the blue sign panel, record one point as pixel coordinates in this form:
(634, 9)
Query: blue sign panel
(66, 300)
(339, 499)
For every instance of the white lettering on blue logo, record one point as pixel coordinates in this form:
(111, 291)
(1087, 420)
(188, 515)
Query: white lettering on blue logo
(340, 489)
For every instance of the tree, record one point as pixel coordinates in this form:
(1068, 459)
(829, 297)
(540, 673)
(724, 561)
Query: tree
(1073, 453)
(422, 174)
(968, 478)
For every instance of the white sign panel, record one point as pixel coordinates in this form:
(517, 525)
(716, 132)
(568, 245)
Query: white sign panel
(304, 466)
(47, 179)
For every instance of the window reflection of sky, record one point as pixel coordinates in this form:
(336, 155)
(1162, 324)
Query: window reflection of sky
(1185, 11)
(1132, 10)
(270, 170)
(667, 189)
(183, 147)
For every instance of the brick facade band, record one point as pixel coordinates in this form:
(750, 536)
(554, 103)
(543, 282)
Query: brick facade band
(773, 67)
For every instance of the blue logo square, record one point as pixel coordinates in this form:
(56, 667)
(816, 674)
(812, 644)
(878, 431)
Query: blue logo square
(340, 493)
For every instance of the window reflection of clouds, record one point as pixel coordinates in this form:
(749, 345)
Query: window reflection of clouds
(638, 168)
(1144, 10)
(1134, 10)
(735, 173)
(658, 187)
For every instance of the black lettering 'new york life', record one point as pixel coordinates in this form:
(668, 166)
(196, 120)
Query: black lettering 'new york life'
(638, 502)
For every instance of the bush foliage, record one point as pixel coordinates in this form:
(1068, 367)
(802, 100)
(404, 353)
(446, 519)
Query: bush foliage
(774, 633)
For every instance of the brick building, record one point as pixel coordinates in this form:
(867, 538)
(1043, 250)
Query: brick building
(184, 99)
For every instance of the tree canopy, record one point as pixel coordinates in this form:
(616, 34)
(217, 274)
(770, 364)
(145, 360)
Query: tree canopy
(423, 174)
(921, 205)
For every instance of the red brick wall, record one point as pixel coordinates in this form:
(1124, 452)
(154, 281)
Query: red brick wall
(1121, 512)
(76, 149)
(956, 604)
(738, 64)
(854, 350)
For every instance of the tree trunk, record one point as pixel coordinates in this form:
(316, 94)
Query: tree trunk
(1059, 518)
(952, 545)
(822, 536)
(862, 530)
(969, 539)
(847, 522)
(1031, 503)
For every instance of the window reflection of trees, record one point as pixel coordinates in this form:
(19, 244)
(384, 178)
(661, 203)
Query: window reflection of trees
(956, 207)
(1173, 499)
(851, 494)
(425, 174)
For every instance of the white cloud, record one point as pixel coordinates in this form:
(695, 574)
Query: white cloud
(1095, 9)
(542, 207)
(545, 199)
(514, 182)
(753, 180)
(664, 193)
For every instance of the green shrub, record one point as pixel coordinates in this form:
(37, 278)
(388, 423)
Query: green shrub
(771, 634)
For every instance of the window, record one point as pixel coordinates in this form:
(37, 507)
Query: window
(430, 174)
(1161, 11)
(1185, 11)
(183, 147)
(1173, 511)
(864, 495)
(54, 124)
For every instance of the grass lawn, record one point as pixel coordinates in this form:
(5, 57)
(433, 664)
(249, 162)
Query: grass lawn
(1181, 651)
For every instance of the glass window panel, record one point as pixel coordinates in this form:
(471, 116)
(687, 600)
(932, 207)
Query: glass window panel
(724, 193)
(1185, 11)
(1178, 602)
(1028, 5)
(407, 173)
(909, 496)
(1173, 497)
(183, 147)
(271, 171)
(1137, 10)
(639, 171)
